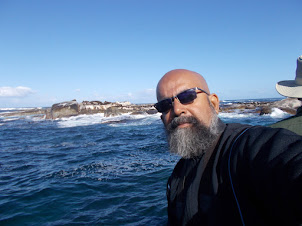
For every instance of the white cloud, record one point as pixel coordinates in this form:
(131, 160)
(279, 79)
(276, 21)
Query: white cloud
(143, 96)
(19, 91)
(150, 91)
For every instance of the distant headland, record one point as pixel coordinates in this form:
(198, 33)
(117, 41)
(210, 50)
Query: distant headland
(73, 108)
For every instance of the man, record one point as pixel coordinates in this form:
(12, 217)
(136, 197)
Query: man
(293, 89)
(229, 174)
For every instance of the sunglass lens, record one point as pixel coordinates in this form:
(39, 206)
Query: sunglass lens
(187, 96)
(164, 105)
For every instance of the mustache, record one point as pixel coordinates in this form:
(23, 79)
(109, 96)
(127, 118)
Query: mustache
(181, 120)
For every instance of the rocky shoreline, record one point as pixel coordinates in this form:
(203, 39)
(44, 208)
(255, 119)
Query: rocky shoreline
(288, 105)
(73, 108)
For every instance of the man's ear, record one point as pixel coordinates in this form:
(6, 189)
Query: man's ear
(214, 101)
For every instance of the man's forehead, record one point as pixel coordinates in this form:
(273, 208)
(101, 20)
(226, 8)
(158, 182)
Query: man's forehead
(174, 83)
(172, 89)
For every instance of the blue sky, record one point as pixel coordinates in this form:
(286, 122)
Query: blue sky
(117, 50)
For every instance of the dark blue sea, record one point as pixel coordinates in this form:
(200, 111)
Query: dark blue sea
(89, 170)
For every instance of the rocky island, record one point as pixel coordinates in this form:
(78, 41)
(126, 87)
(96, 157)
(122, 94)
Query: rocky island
(73, 108)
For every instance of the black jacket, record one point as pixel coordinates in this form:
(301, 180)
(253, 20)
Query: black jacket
(253, 177)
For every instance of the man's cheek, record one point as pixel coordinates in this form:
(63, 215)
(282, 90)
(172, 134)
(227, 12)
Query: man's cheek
(164, 119)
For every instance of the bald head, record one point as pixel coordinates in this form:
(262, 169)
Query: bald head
(177, 80)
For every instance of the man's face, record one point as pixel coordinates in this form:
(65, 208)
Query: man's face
(193, 127)
(199, 108)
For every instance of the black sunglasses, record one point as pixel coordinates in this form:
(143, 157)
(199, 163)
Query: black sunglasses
(184, 97)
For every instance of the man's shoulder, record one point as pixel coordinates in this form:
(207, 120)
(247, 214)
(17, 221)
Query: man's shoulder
(232, 130)
(236, 126)
(268, 140)
(254, 138)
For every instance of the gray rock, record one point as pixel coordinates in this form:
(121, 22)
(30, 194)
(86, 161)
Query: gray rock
(152, 111)
(112, 111)
(64, 109)
(265, 110)
(289, 105)
(30, 112)
(138, 113)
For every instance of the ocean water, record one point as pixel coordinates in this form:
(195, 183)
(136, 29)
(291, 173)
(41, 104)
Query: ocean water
(89, 170)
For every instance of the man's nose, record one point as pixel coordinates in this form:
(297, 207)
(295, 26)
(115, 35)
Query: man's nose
(178, 108)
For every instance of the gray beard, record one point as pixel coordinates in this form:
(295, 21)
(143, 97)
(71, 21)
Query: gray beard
(193, 141)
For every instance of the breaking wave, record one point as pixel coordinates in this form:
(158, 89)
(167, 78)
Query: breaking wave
(121, 120)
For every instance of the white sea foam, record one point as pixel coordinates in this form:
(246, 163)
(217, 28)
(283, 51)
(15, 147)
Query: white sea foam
(144, 120)
(35, 118)
(18, 109)
(5, 112)
(10, 119)
(254, 118)
(86, 120)
(237, 115)
(277, 113)
(81, 120)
